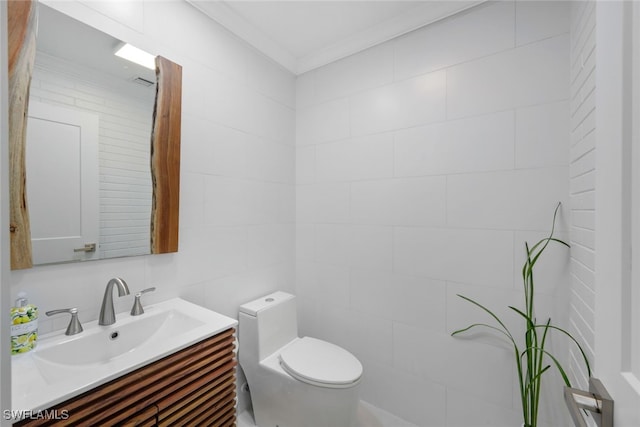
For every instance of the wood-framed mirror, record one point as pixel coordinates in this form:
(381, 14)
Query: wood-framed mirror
(133, 211)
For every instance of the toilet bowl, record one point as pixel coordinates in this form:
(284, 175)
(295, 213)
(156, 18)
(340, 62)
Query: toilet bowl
(293, 381)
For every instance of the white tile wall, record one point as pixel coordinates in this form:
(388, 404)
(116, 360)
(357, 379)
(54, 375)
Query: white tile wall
(360, 158)
(411, 160)
(403, 201)
(532, 74)
(471, 35)
(413, 102)
(412, 190)
(452, 146)
(539, 146)
(461, 255)
(509, 200)
(370, 69)
(322, 122)
(536, 23)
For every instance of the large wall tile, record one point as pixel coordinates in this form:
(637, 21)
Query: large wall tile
(542, 132)
(323, 122)
(333, 244)
(529, 75)
(229, 103)
(225, 200)
(482, 143)
(370, 202)
(485, 30)
(371, 292)
(272, 120)
(272, 80)
(370, 337)
(213, 149)
(192, 207)
(270, 161)
(305, 241)
(368, 69)
(269, 244)
(482, 369)
(370, 247)
(323, 203)
(412, 102)
(366, 157)
(465, 409)
(210, 253)
(419, 302)
(332, 286)
(410, 201)
(484, 257)
(536, 21)
(419, 401)
(521, 200)
(264, 201)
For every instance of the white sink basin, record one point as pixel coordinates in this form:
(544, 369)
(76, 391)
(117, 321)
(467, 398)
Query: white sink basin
(61, 366)
(100, 345)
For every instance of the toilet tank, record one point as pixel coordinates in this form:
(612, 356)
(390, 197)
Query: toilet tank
(270, 320)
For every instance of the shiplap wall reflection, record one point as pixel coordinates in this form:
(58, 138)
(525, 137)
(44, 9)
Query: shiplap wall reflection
(125, 117)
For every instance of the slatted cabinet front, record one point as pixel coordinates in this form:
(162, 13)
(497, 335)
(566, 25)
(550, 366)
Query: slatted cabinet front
(195, 386)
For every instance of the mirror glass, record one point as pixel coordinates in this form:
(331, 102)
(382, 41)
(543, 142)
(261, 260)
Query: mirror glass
(89, 188)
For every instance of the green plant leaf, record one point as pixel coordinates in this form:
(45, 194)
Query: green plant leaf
(530, 322)
(491, 314)
(459, 331)
(537, 377)
(584, 356)
(558, 366)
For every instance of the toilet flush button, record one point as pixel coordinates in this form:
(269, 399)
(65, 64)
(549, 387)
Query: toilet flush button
(269, 300)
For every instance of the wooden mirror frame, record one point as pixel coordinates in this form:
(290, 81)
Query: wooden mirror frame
(165, 140)
(165, 157)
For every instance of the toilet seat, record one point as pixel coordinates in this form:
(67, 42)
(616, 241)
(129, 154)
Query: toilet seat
(320, 363)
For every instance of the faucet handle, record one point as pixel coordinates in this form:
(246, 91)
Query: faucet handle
(137, 309)
(74, 324)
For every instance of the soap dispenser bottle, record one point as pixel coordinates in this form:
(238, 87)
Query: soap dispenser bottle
(24, 325)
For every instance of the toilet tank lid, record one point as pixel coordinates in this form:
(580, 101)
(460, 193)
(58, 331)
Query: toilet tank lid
(254, 307)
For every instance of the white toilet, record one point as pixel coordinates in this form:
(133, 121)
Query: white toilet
(294, 382)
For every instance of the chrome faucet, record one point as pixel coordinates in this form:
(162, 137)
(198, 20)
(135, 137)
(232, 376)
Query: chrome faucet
(107, 313)
(74, 324)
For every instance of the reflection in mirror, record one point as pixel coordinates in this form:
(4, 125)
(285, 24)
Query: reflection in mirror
(89, 188)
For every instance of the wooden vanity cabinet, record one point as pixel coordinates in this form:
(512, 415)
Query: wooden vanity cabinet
(193, 387)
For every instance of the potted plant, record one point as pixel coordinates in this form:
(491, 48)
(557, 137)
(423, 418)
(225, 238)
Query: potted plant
(531, 356)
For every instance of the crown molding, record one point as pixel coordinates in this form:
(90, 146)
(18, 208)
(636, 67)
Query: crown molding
(409, 21)
(220, 12)
(427, 14)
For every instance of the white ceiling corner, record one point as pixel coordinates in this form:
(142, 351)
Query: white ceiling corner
(302, 35)
(220, 12)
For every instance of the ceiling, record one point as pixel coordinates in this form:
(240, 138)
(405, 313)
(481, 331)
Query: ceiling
(302, 35)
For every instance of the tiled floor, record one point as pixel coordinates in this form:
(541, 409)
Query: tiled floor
(369, 416)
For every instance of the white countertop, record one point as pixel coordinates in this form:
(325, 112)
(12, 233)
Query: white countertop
(34, 389)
